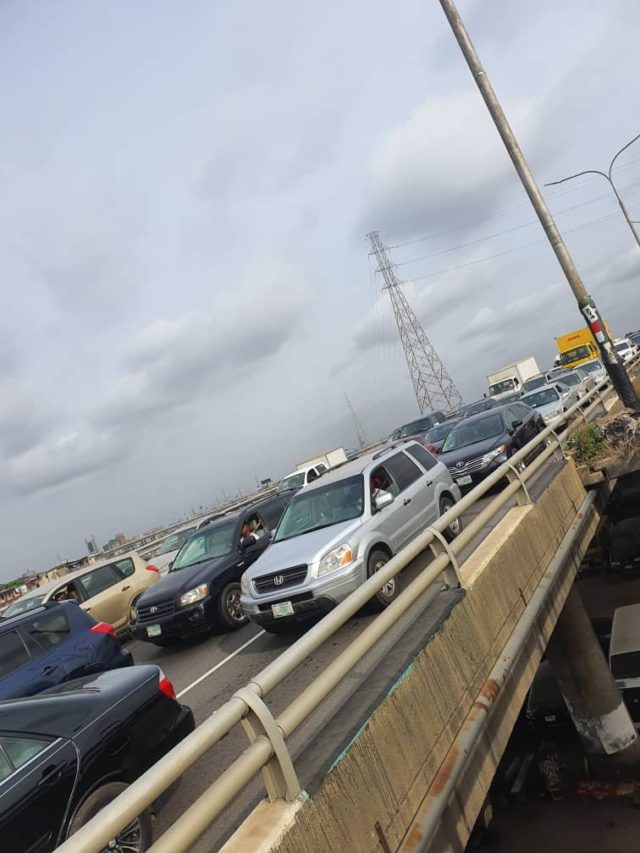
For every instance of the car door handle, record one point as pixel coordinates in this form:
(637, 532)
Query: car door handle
(48, 670)
(50, 775)
(125, 588)
(406, 501)
(429, 482)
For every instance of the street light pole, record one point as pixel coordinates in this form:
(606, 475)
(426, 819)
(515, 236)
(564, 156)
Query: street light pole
(612, 363)
(607, 176)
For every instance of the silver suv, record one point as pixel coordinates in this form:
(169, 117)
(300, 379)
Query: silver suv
(338, 532)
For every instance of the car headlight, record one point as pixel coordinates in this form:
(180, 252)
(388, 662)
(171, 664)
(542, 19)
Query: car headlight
(337, 557)
(193, 595)
(551, 415)
(493, 454)
(244, 584)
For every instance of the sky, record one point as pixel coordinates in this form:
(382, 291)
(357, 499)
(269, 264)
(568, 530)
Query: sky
(185, 192)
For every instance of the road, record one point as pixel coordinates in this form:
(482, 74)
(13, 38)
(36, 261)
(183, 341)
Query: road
(206, 673)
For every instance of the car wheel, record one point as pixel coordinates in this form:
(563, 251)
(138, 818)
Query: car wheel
(229, 608)
(455, 527)
(384, 597)
(134, 838)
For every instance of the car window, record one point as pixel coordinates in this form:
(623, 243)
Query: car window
(22, 605)
(522, 410)
(13, 654)
(49, 630)
(422, 455)
(272, 513)
(511, 417)
(5, 767)
(125, 567)
(97, 581)
(19, 750)
(322, 468)
(402, 469)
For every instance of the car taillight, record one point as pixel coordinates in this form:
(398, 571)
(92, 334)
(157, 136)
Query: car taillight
(152, 568)
(103, 628)
(166, 686)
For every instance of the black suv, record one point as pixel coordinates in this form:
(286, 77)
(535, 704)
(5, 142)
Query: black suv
(202, 588)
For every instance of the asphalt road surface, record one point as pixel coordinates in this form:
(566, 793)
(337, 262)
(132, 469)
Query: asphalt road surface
(206, 673)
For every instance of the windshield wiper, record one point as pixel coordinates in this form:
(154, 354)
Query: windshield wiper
(317, 527)
(197, 563)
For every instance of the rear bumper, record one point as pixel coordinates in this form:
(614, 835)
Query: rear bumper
(184, 725)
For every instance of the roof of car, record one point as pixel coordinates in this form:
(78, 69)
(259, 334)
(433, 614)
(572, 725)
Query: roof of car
(234, 514)
(356, 466)
(49, 585)
(540, 388)
(496, 410)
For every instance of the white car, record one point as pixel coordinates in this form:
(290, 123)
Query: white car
(625, 349)
(578, 380)
(595, 369)
(551, 400)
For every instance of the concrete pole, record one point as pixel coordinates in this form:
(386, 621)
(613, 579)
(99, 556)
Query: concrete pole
(610, 359)
(590, 691)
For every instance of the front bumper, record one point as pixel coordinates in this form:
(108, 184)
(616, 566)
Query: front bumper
(466, 480)
(313, 597)
(182, 622)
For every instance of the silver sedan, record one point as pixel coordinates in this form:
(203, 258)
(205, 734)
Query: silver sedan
(551, 400)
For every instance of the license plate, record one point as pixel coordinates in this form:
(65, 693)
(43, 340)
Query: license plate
(550, 718)
(282, 608)
(464, 481)
(154, 630)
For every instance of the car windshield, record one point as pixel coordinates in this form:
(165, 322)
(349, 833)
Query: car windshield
(592, 367)
(322, 507)
(537, 382)
(440, 432)
(502, 387)
(206, 544)
(575, 354)
(621, 347)
(173, 542)
(476, 408)
(541, 398)
(294, 481)
(22, 605)
(471, 433)
(415, 427)
(572, 379)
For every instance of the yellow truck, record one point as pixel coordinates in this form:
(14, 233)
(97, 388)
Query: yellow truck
(575, 348)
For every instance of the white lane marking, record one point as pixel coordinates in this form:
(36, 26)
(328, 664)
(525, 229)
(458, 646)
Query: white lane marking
(218, 665)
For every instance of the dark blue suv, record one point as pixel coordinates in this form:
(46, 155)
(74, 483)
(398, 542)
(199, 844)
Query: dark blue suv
(52, 644)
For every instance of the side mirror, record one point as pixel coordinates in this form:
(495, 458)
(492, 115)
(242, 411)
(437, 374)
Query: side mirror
(381, 501)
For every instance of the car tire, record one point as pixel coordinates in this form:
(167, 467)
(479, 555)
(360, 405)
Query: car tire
(230, 610)
(455, 528)
(391, 590)
(137, 834)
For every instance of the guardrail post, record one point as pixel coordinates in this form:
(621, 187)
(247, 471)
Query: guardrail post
(278, 774)
(440, 546)
(558, 453)
(522, 495)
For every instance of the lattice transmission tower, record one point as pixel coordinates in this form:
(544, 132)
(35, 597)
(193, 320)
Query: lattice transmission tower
(433, 386)
(361, 437)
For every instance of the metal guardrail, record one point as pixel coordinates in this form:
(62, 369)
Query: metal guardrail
(267, 752)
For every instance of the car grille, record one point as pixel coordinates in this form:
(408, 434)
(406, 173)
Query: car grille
(469, 467)
(149, 612)
(280, 580)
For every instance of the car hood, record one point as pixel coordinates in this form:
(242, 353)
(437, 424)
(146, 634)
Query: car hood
(556, 406)
(302, 549)
(162, 560)
(176, 583)
(473, 451)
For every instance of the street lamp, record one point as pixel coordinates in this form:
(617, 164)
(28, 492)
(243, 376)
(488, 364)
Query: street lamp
(607, 176)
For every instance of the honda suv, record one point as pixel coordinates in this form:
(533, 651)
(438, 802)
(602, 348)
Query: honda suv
(338, 532)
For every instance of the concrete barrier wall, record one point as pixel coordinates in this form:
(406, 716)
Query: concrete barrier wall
(404, 749)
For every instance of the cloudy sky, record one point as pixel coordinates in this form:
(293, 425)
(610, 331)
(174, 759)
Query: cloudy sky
(185, 191)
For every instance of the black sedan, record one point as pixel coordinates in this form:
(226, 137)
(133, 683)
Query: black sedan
(480, 444)
(66, 753)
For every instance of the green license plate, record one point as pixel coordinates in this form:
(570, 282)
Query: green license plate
(154, 631)
(282, 608)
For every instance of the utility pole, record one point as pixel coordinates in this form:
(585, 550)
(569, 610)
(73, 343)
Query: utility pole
(607, 176)
(361, 436)
(432, 384)
(612, 363)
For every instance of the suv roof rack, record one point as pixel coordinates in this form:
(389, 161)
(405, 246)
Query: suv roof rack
(397, 443)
